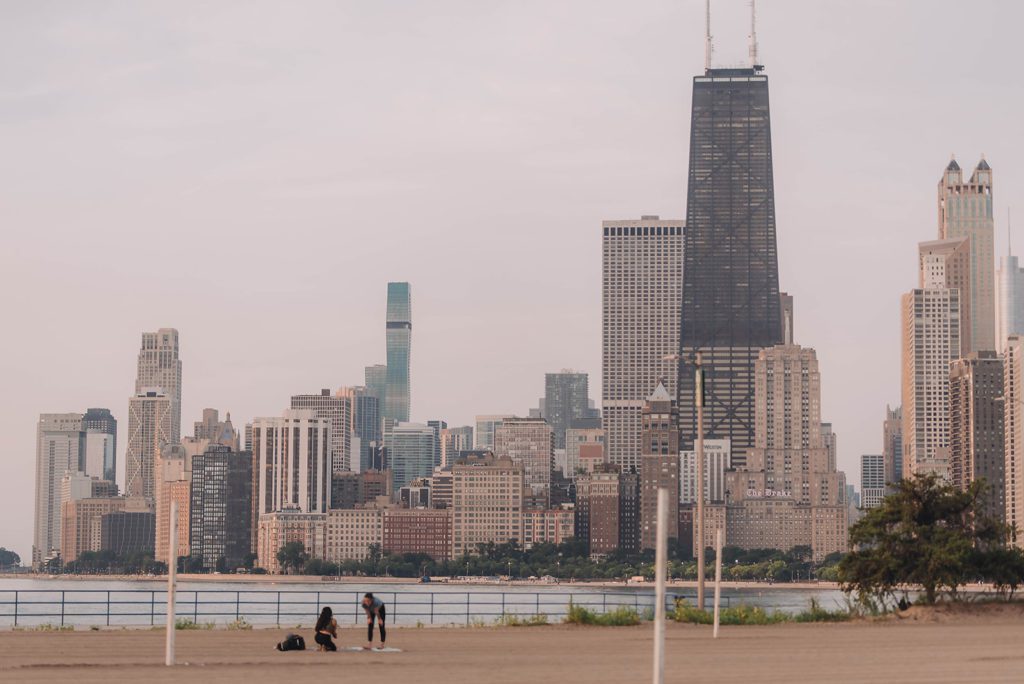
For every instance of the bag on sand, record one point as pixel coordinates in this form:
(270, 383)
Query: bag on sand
(292, 642)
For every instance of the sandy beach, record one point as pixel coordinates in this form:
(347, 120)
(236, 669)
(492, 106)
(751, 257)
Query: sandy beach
(968, 649)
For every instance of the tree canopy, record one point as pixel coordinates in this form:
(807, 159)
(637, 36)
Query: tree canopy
(931, 535)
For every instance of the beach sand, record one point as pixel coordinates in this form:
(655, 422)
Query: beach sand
(985, 649)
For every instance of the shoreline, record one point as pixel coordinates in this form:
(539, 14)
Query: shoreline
(330, 580)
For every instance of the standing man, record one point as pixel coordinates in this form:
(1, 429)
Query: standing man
(374, 608)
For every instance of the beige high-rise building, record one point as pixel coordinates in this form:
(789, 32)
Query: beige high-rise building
(530, 442)
(574, 439)
(150, 429)
(1013, 441)
(60, 440)
(641, 305)
(337, 410)
(82, 521)
(281, 527)
(931, 325)
(173, 477)
(788, 493)
(947, 264)
(965, 211)
(487, 502)
(292, 456)
(892, 444)
(352, 531)
(659, 464)
(159, 367)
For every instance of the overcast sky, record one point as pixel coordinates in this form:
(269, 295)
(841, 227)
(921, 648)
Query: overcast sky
(253, 173)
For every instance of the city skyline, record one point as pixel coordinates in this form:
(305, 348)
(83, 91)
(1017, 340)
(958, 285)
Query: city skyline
(495, 379)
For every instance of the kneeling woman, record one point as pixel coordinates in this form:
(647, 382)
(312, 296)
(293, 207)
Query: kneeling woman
(326, 630)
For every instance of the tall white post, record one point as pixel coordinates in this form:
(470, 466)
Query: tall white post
(172, 577)
(699, 449)
(718, 575)
(660, 563)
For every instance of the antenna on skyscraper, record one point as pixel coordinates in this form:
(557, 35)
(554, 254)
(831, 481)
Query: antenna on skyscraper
(707, 35)
(1009, 252)
(753, 35)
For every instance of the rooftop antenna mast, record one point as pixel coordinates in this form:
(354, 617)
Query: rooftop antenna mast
(1009, 252)
(707, 35)
(753, 35)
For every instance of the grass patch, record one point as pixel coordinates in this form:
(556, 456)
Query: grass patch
(755, 615)
(522, 621)
(239, 623)
(620, 617)
(187, 623)
(47, 627)
(815, 613)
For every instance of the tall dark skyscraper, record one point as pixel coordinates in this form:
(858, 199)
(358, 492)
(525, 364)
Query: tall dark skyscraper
(731, 304)
(399, 343)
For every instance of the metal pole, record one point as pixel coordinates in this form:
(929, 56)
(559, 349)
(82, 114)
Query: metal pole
(718, 575)
(172, 576)
(699, 400)
(660, 561)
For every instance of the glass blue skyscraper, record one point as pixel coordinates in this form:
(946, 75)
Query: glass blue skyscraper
(399, 343)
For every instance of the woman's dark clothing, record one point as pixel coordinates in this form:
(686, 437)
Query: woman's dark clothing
(326, 641)
(373, 617)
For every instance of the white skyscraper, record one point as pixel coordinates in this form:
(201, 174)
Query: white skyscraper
(716, 462)
(150, 429)
(338, 412)
(1013, 431)
(292, 453)
(160, 368)
(60, 441)
(642, 284)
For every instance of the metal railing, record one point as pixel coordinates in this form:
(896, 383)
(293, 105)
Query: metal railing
(137, 607)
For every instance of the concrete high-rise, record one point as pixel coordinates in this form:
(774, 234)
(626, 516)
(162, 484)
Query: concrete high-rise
(892, 444)
(100, 444)
(731, 304)
(659, 463)
(716, 463)
(292, 457)
(529, 442)
(453, 441)
(337, 410)
(965, 211)
(566, 404)
(1009, 300)
(788, 493)
(60, 442)
(159, 367)
(375, 378)
(931, 334)
(410, 451)
(487, 502)
(150, 429)
(641, 293)
(947, 264)
(399, 351)
(1013, 436)
(872, 480)
(575, 438)
(976, 427)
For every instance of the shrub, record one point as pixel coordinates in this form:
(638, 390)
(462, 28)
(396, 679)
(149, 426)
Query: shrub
(815, 613)
(187, 623)
(507, 620)
(620, 617)
(733, 615)
(239, 623)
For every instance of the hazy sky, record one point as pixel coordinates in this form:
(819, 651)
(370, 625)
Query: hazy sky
(253, 173)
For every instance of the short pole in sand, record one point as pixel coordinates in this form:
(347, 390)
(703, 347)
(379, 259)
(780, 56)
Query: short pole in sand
(660, 562)
(718, 576)
(172, 576)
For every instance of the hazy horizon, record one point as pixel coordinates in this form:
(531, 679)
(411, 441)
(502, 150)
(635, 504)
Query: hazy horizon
(253, 175)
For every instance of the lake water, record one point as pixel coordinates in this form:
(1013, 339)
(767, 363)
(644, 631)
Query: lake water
(142, 602)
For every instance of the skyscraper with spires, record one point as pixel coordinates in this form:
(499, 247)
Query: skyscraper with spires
(730, 303)
(965, 211)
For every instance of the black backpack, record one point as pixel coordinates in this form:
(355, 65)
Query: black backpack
(292, 642)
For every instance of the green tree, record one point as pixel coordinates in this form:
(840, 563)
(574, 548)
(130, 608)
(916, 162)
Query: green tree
(292, 556)
(8, 558)
(927, 533)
